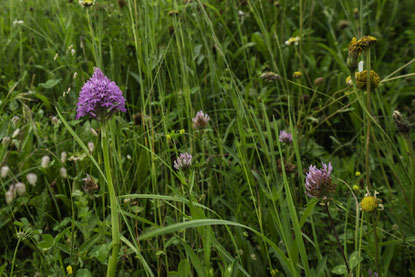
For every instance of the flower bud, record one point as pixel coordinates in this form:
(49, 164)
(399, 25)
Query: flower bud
(16, 133)
(6, 141)
(401, 123)
(15, 119)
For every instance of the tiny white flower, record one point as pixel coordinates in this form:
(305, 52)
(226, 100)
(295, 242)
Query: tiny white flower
(20, 188)
(63, 172)
(91, 146)
(15, 119)
(18, 22)
(73, 51)
(93, 132)
(16, 133)
(75, 75)
(56, 56)
(44, 163)
(6, 141)
(9, 197)
(31, 178)
(4, 171)
(63, 157)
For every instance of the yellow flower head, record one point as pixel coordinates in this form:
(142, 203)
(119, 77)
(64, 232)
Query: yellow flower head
(361, 80)
(356, 189)
(69, 269)
(358, 173)
(356, 47)
(168, 136)
(369, 204)
(182, 131)
(297, 74)
(86, 3)
(293, 40)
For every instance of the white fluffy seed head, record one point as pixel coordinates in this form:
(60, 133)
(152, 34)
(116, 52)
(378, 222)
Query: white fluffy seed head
(31, 178)
(63, 157)
(9, 197)
(4, 171)
(16, 133)
(91, 146)
(63, 172)
(20, 188)
(44, 163)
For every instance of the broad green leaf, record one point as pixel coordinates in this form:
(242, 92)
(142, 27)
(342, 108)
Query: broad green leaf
(340, 270)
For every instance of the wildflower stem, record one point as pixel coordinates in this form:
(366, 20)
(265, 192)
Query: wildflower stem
(368, 122)
(112, 264)
(412, 161)
(337, 237)
(375, 235)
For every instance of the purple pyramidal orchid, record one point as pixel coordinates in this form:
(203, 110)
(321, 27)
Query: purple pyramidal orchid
(100, 97)
(318, 182)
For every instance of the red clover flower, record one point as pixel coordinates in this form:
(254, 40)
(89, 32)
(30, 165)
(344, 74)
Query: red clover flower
(201, 120)
(285, 137)
(318, 182)
(183, 162)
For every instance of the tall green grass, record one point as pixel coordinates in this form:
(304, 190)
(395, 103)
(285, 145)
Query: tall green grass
(241, 210)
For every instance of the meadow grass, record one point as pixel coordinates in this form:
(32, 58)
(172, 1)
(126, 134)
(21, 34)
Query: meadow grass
(241, 209)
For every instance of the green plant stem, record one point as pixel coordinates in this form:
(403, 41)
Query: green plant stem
(412, 161)
(112, 264)
(375, 235)
(368, 122)
(337, 237)
(14, 257)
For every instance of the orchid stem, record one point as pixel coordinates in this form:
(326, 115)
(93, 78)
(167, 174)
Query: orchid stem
(112, 263)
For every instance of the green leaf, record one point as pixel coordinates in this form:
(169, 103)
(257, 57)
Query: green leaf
(2, 269)
(184, 268)
(100, 252)
(308, 211)
(83, 273)
(340, 270)
(354, 259)
(49, 83)
(47, 242)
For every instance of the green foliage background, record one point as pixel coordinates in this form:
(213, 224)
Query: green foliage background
(239, 211)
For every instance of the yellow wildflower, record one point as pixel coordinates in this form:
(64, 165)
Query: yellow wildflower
(361, 80)
(357, 173)
(182, 131)
(356, 189)
(86, 3)
(369, 204)
(293, 40)
(356, 47)
(69, 269)
(297, 74)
